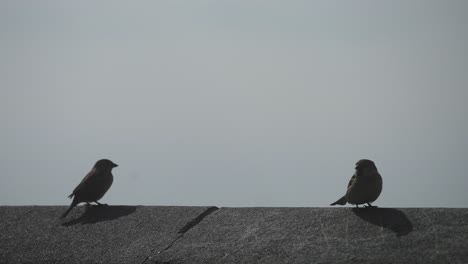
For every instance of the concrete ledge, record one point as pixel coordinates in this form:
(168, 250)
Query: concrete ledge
(142, 234)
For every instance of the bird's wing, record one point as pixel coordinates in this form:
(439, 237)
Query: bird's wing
(87, 180)
(351, 181)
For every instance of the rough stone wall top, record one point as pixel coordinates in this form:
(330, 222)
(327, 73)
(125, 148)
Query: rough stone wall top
(141, 234)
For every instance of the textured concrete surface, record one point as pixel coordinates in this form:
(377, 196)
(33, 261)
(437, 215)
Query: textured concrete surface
(129, 234)
(107, 234)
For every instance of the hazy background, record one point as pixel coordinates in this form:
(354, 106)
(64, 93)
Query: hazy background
(234, 103)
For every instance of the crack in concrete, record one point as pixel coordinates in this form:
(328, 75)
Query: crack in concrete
(191, 224)
(323, 233)
(382, 235)
(197, 220)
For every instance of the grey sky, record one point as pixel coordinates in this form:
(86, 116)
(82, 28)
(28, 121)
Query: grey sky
(234, 103)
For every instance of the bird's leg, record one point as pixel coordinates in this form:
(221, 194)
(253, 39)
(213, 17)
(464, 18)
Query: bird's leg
(357, 206)
(370, 206)
(88, 204)
(100, 204)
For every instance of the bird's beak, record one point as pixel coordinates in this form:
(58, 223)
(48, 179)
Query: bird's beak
(114, 165)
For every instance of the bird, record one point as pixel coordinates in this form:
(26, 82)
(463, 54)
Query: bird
(93, 186)
(365, 185)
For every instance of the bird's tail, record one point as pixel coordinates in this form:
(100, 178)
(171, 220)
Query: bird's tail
(341, 201)
(73, 204)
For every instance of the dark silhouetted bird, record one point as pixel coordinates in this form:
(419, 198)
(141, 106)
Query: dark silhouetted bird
(364, 187)
(94, 185)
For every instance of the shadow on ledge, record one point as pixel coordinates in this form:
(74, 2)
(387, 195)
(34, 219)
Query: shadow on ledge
(94, 214)
(389, 218)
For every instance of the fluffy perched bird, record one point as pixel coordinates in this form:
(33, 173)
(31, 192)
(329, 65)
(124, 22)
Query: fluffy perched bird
(364, 187)
(94, 185)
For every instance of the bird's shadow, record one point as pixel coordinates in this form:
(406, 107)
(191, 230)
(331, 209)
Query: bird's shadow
(94, 214)
(389, 218)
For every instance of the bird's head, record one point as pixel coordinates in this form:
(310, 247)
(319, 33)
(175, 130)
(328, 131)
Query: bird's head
(105, 164)
(365, 165)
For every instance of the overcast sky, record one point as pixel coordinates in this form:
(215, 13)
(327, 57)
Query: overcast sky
(234, 103)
